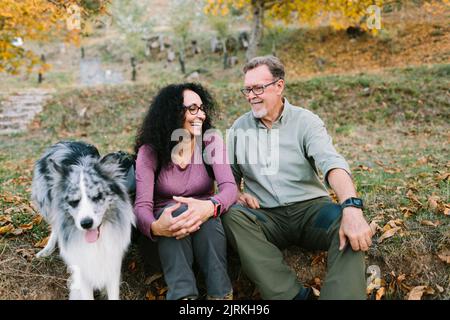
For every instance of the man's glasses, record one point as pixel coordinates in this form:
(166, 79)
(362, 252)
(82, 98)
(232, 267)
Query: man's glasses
(193, 108)
(257, 90)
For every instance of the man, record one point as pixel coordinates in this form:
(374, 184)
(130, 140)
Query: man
(290, 205)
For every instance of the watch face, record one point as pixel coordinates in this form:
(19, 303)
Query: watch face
(358, 202)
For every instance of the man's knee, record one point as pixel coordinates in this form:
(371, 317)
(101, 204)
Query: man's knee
(233, 216)
(329, 217)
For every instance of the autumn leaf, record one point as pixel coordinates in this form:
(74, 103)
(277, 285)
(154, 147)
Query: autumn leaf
(423, 160)
(17, 232)
(445, 256)
(6, 229)
(26, 253)
(315, 292)
(430, 223)
(4, 219)
(407, 212)
(389, 233)
(443, 177)
(447, 209)
(380, 293)
(27, 226)
(42, 243)
(433, 203)
(162, 291)
(150, 296)
(132, 266)
(417, 292)
(37, 220)
(152, 278)
(411, 196)
(374, 227)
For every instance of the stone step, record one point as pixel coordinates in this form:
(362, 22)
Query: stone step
(15, 117)
(19, 109)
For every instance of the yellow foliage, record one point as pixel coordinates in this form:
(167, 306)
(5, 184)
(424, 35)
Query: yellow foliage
(37, 20)
(339, 13)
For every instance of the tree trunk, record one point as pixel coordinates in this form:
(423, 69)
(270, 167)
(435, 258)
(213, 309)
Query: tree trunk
(225, 54)
(257, 29)
(182, 62)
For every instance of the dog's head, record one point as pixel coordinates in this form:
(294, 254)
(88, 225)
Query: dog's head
(90, 189)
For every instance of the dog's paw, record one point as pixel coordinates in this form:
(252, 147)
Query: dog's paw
(44, 253)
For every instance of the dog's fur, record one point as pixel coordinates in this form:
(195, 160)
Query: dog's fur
(84, 198)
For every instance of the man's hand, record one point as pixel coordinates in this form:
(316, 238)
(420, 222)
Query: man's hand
(248, 200)
(200, 211)
(356, 229)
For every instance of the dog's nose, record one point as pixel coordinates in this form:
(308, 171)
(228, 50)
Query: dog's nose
(86, 223)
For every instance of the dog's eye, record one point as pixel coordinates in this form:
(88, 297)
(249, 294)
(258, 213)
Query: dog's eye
(98, 197)
(74, 203)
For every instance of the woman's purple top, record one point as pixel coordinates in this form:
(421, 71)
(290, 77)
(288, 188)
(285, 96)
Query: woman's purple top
(192, 181)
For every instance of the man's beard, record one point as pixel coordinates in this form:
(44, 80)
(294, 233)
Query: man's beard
(261, 113)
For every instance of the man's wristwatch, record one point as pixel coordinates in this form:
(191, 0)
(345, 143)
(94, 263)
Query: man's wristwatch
(217, 207)
(352, 202)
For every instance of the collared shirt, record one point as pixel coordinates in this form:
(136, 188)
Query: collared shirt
(279, 165)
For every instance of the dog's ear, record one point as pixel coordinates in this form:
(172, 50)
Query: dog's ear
(123, 159)
(60, 169)
(126, 163)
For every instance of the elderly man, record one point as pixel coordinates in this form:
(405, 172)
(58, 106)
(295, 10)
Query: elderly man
(284, 202)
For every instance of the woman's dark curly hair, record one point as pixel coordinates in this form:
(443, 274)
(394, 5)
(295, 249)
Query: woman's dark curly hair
(166, 114)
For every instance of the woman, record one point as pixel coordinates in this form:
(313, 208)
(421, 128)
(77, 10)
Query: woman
(175, 200)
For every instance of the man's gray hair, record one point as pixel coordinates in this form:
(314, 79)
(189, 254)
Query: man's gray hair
(274, 64)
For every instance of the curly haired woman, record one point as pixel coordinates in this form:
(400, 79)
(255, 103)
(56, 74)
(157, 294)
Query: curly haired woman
(175, 201)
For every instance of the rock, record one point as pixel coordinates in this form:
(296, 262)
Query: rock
(171, 55)
(194, 76)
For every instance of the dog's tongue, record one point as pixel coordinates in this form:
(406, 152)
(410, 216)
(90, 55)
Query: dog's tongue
(91, 235)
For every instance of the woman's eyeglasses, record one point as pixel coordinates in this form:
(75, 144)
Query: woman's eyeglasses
(193, 108)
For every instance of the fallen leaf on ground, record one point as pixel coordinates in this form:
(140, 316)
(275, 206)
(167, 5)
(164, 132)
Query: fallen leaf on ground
(380, 293)
(162, 291)
(444, 176)
(416, 293)
(315, 291)
(430, 223)
(152, 278)
(27, 226)
(5, 219)
(17, 232)
(362, 168)
(392, 170)
(37, 220)
(374, 227)
(42, 243)
(423, 160)
(6, 229)
(407, 212)
(389, 233)
(132, 266)
(440, 289)
(411, 196)
(433, 203)
(444, 257)
(150, 296)
(447, 209)
(26, 253)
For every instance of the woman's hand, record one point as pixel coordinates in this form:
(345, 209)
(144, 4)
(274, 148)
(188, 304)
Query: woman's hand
(248, 200)
(198, 211)
(162, 226)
